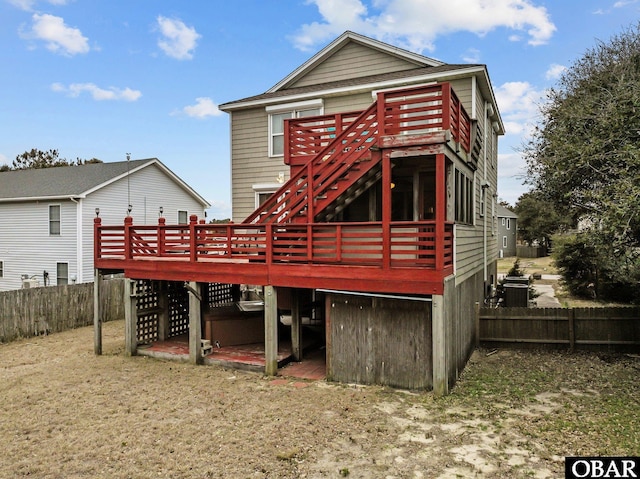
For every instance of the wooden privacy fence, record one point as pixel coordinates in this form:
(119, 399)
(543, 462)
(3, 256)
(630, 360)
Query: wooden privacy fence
(575, 328)
(29, 312)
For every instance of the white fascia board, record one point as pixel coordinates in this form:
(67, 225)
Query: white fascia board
(41, 198)
(318, 102)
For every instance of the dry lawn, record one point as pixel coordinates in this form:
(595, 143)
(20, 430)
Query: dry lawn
(69, 414)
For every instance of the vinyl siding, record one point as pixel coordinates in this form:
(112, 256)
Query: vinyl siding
(354, 60)
(251, 164)
(150, 188)
(26, 246)
(470, 245)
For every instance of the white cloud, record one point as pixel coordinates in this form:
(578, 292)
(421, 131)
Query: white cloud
(178, 41)
(555, 71)
(97, 93)
(624, 3)
(28, 5)
(204, 108)
(471, 56)
(519, 104)
(58, 37)
(415, 24)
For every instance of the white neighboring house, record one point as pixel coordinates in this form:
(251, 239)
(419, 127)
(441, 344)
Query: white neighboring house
(46, 215)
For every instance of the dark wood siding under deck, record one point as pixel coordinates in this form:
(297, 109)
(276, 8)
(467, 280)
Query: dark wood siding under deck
(379, 341)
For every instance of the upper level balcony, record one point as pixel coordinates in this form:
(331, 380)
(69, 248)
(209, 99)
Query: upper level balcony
(419, 115)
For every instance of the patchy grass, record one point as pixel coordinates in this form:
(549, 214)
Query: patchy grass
(68, 413)
(528, 265)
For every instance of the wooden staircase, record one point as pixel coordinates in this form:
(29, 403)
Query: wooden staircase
(342, 164)
(344, 151)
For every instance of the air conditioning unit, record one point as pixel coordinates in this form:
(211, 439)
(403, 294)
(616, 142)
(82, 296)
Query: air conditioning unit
(30, 283)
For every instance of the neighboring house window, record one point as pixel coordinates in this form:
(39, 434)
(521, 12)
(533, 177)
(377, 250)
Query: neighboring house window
(503, 221)
(183, 217)
(1, 269)
(464, 198)
(483, 196)
(278, 114)
(508, 223)
(62, 273)
(504, 241)
(54, 220)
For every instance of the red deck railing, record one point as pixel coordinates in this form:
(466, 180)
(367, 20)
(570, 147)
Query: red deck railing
(419, 110)
(412, 244)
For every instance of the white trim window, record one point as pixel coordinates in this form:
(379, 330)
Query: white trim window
(504, 242)
(508, 223)
(54, 220)
(503, 221)
(279, 113)
(62, 273)
(464, 188)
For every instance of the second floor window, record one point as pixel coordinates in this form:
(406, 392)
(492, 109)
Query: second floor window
(276, 125)
(54, 220)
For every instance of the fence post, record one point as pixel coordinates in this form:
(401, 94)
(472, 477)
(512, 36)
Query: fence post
(572, 328)
(161, 236)
(193, 243)
(128, 244)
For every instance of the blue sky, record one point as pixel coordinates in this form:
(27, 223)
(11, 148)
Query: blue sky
(103, 78)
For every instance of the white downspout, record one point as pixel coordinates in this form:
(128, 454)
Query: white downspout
(484, 190)
(79, 237)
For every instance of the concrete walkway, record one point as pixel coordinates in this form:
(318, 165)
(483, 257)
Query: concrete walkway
(547, 298)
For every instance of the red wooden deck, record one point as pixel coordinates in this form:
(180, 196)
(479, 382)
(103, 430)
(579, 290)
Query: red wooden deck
(286, 243)
(324, 255)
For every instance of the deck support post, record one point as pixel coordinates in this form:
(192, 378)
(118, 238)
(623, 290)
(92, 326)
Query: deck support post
(296, 325)
(130, 318)
(270, 331)
(439, 345)
(195, 322)
(163, 315)
(386, 209)
(441, 209)
(97, 313)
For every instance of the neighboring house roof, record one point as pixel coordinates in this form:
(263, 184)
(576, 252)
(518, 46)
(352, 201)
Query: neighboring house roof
(75, 181)
(426, 70)
(502, 212)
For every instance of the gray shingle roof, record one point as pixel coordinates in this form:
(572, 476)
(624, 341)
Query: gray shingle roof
(502, 212)
(63, 180)
(354, 82)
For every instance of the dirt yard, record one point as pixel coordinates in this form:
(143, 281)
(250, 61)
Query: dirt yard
(69, 414)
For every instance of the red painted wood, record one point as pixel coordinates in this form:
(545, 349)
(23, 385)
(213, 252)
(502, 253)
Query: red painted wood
(441, 210)
(281, 245)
